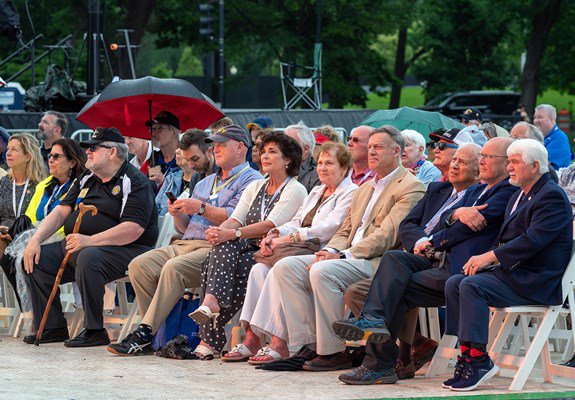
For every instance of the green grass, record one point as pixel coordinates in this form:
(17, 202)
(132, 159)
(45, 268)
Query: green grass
(413, 97)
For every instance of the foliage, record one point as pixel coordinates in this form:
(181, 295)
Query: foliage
(162, 70)
(189, 64)
(467, 45)
(559, 58)
(258, 33)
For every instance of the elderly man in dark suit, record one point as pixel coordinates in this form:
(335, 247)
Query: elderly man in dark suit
(406, 280)
(525, 266)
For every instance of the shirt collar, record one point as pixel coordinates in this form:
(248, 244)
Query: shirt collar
(234, 170)
(375, 182)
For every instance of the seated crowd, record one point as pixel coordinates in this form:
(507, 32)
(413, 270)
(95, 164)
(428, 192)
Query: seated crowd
(293, 230)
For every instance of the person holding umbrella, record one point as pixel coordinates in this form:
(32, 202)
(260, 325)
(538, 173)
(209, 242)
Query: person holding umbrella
(126, 226)
(165, 134)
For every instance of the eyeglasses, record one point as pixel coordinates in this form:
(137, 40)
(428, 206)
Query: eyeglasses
(490, 156)
(158, 128)
(441, 145)
(55, 156)
(354, 139)
(95, 147)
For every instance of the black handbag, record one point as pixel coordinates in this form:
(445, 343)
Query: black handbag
(21, 224)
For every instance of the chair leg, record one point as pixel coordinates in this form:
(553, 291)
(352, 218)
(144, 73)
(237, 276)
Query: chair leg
(503, 333)
(434, 330)
(131, 320)
(534, 350)
(445, 352)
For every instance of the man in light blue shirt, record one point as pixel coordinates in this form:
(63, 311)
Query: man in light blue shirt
(556, 141)
(160, 276)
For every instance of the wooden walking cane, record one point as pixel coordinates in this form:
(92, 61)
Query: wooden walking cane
(83, 209)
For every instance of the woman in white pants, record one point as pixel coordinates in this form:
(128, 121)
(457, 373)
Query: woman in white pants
(319, 218)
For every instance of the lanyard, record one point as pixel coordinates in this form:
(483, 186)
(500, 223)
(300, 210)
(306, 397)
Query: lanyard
(365, 177)
(264, 208)
(216, 189)
(57, 193)
(17, 213)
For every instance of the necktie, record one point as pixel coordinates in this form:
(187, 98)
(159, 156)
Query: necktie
(433, 221)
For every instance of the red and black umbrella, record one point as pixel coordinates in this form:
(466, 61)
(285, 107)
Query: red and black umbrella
(128, 104)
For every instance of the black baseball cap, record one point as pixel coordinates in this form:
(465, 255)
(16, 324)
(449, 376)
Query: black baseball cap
(166, 118)
(469, 114)
(103, 135)
(230, 132)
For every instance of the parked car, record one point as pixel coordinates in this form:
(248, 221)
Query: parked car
(496, 105)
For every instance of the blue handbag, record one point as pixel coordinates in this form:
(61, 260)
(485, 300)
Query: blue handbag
(178, 323)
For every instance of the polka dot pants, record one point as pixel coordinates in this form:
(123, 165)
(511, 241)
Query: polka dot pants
(225, 276)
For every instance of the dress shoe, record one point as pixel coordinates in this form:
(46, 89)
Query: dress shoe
(89, 338)
(423, 353)
(404, 371)
(332, 362)
(365, 376)
(49, 336)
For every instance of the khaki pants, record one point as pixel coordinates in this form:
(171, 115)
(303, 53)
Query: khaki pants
(312, 300)
(160, 277)
(354, 298)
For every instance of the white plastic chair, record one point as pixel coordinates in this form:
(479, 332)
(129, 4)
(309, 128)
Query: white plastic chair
(502, 324)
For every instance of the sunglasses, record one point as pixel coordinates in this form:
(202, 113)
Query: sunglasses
(95, 147)
(55, 156)
(353, 139)
(441, 145)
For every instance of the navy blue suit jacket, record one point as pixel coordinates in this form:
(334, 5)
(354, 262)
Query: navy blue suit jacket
(460, 240)
(535, 243)
(411, 228)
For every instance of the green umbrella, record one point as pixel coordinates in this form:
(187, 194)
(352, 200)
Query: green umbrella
(421, 121)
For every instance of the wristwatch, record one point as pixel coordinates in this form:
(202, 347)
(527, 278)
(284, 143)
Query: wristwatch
(342, 255)
(202, 209)
(238, 233)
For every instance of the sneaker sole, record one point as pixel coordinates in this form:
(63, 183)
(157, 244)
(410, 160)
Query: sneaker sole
(385, 380)
(139, 353)
(490, 374)
(348, 332)
(351, 332)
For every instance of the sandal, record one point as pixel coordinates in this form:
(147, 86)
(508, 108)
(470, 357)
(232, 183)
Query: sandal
(238, 349)
(203, 315)
(263, 352)
(203, 353)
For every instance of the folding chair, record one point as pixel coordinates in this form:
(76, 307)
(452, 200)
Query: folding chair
(502, 324)
(295, 88)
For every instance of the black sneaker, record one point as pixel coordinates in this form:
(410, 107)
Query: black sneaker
(359, 328)
(476, 372)
(459, 367)
(365, 376)
(137, 342)
(570, 363)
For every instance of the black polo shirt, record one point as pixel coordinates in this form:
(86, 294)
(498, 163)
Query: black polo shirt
(128, 196)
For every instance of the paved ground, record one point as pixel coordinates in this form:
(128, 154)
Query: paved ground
(52, 371)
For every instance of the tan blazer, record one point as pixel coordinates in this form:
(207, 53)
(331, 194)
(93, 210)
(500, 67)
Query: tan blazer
(382, 231)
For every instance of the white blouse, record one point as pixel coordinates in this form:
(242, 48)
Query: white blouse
(329, 216)
(291, 198)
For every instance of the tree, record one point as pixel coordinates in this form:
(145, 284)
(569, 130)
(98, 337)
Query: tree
(259, 33)
(467, 45)
(544, 15)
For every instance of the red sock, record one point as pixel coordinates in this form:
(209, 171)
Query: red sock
(476, 353)
(464, 349)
